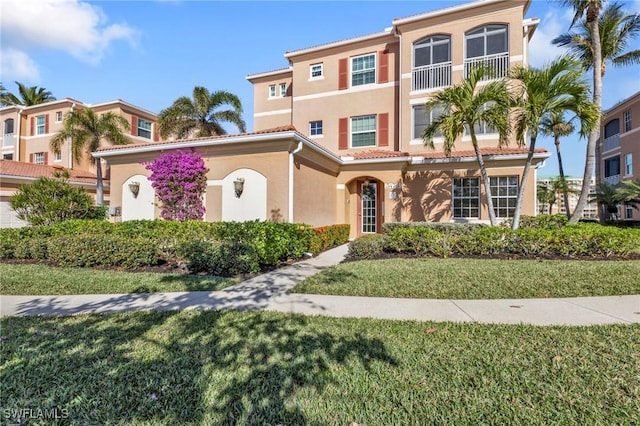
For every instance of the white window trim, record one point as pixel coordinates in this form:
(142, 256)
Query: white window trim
(625, 115)
(57, 157)
(281, 93)
(273, 91)
(317, 136)
(630, 155)
(375, 132)
(318, 77)
(495, 196)
(43, 125)
(375, 70)
(61, 116)
(35, 157)
(150, 130)
(484, 35)
(453, 198)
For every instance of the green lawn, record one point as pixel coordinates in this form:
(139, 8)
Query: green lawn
(46, 280)
(476, 278)
(260, 368)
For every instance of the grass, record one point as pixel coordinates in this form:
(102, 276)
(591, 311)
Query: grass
(45, 280)
(475, 278)
(192, 367)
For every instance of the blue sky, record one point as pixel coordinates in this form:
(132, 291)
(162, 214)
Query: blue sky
(151, 52)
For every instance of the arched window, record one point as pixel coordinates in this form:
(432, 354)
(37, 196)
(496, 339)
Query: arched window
(488, 46)
(432, 62)
(8, 126)
(612, 128)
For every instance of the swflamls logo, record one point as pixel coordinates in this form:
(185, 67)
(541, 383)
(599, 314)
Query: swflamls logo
(35, 413)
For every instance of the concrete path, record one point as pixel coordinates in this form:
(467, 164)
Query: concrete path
(269, 292)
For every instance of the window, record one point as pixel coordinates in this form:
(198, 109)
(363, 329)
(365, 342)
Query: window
(504, 192)
(629, 212)
(481, 127)
(144, 128)
(40, 125)
(7, 156)
(38, 158)
(58, 116)
(612, 128)
(627, 120)
(58, 156)
(432, 62)
(272, 91)
(422, 118)
(315, 71)
(363, 69)
(283, 89)
(363, 131)
(8, 126)
(612, 166)
(466, 198)
(485, 41)
(315, 128)
(628, 164)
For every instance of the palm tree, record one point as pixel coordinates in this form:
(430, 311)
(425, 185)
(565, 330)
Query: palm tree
(546, 196)
(465, 106)
(200, 116)
(556, 88)
(608, 196)
(33, 95)
(87, 130)
(555, 125)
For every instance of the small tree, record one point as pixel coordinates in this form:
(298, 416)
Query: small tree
(179, 179)
(51, 200)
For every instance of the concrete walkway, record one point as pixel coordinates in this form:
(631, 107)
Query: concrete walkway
(269, 292)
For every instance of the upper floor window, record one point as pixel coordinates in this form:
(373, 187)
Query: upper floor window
(315, 128)
(315, 71)
(272, 91)
(423, 117)
(283, 89)
(363, 69)
(58, 116)
(432, 62)
(628, 164)
(58, 156)
(612, 128)
(612, 166)
(363, 131)
(8, 126)
(38, 157)
(41, 125)
(627, 120)
(144, 128)
(487, 47)
(7, 156)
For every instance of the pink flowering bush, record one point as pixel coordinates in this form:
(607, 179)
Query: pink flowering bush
(179, 179)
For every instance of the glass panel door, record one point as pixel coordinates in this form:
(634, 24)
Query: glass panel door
(369, 207)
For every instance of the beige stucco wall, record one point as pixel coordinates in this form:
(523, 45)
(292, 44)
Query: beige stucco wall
(270, 112)
(314, 194)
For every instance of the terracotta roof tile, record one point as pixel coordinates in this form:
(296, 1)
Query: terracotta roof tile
(368, 155)
(178, 141)
(471, 153)
(30, 170)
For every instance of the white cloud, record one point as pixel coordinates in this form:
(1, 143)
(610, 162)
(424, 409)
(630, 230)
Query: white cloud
(554, 23)
(77, 28)
(17, 65)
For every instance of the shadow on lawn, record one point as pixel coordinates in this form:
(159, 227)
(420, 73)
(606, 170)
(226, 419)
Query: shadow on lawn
(174, 368)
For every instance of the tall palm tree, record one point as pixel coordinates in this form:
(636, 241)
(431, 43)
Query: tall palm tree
(33, 95)
(87, 130)
(546, 196)
(201, 116)
(555, 125)
(465, 106)
(558, 87)
(609, 197)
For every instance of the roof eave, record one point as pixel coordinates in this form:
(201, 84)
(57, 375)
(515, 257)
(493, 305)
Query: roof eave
(338, 43)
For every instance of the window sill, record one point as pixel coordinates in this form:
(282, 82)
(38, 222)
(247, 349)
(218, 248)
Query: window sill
(316, 136)
(316, 78)
(421, 141)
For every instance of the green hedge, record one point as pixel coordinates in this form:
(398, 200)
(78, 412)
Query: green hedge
(225, 259)
(449, 228)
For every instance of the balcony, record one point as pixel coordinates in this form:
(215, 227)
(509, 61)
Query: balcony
(7, 140)
(612, 142)
(612, 180)
(431, 76)
(499, 63)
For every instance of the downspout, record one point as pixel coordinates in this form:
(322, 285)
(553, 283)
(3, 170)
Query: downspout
(399, 35)
(291, 166)
(525, 47)
(20, 112)
(71, 141)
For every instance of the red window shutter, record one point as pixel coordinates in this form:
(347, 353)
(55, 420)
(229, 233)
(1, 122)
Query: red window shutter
(343, 133)
(383, 129)
(343, 74)
(383, 67)
(134, 125)
(46, 126)
(46, 158)
(156, 137)
(31, 155)
(33, 127)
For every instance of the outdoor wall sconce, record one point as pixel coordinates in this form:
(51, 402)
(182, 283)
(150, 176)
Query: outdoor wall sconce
(134, 187)
(238, 186)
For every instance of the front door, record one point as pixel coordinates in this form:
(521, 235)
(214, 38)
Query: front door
(368, 213)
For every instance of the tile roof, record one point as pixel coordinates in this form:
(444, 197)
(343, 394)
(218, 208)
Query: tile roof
(186, 141)
(368, 155)
(30, 170)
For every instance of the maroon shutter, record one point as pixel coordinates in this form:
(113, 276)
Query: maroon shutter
(46, 158)
(343, 133)
(156, 137)
(33, 127)
(383, 129)
(343, 74)
(134, 125)
(31, 155)
(46, 124)
(383, 67)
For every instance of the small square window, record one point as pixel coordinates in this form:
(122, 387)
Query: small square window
(315, 128)
(58, 116)
(38, 158)
(272, 91)
(316, 71)
(283, 89)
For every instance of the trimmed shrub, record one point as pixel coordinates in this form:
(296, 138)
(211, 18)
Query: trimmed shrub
(448, 228)
(326, 237)
(227, 258)
(368, 246)
(9, 238)
(102, 250)
(543, 221)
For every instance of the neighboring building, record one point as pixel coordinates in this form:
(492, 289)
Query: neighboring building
(337, 134)
(618, 149)
(575, 185)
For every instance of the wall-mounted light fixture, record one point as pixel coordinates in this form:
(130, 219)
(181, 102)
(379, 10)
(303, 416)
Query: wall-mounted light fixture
(238, 186)
(134, 187)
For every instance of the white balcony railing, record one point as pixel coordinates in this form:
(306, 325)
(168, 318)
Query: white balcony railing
(431, 76)
(498, 64)
(7, 140)
(612, 180)
(612, 142)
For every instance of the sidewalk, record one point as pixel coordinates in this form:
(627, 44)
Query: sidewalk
(268, 292)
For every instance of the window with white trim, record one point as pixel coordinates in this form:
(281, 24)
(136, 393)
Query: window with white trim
(363, 69)
(40, 125)
(272, 91)
(466, 198)
(8, 126)
(144, 128)
(481, 127)
(38, 158)
(485, 41)
(629, 212)
(628, 164)
(315, 128)
(363, 131)
(504, 193)
(627, 120)
(58, 116)
(283, 90)
(423, 118)
(315, 71)
(58, 156)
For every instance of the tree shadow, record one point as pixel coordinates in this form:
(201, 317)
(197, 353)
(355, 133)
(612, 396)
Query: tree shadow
(422, 197)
